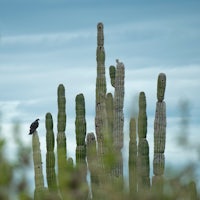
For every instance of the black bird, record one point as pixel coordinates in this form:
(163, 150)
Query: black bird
(34, 126)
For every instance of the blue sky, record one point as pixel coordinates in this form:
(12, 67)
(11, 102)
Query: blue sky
(45, 43)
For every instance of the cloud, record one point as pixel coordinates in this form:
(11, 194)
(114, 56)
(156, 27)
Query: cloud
(45, 38)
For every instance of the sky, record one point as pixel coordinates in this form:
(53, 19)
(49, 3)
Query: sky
(45, 43)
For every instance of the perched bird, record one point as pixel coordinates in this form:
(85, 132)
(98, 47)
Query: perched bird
(34, 126)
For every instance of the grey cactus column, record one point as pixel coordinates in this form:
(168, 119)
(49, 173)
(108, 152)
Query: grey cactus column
(101, 117)
(132, 158)
(118, 122)
(159, 135)
(143, 146)
(37, 160)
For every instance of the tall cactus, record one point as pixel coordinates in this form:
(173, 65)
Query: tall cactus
(159, 134)
(118, 123)
(37, 160)
(50, 157)
(101, 117)
(143, 146)
(80, 127)
(132, 158)
(61, 139)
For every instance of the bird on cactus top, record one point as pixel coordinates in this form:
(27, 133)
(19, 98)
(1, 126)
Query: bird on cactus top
(34, 126)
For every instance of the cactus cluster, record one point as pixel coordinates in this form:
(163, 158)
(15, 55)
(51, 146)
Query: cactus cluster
(100, 153)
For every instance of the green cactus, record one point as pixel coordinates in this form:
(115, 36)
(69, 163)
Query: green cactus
(159, 135)
(37, 160)
(143, 146)
(80, 126)
(61, 109)
(61, 140)
(161, 85)
(50, 156)
(112, 72)
(132, 157)
(142, 118)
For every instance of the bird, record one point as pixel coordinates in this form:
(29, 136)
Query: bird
(34, 126)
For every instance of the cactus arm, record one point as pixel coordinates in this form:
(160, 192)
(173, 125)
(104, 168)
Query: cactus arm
(112, 72)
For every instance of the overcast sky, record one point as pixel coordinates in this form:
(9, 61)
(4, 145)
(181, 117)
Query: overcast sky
(45, 43)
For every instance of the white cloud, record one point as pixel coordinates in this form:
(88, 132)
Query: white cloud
(45, 38)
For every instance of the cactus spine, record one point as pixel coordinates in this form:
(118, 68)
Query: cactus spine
(50, 156)
(143, 146)
(37, 160)
(159, 134)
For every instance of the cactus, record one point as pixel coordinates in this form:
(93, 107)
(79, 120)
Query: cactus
(37, 160)
(161, 85)
(118, 122)
(112, 72)
(61, 139)
(110, 118)
(50, 157)
(132, 158)
(101, 116)
(118, 106)
(143, 146)
(159, 134)
(80, 126)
